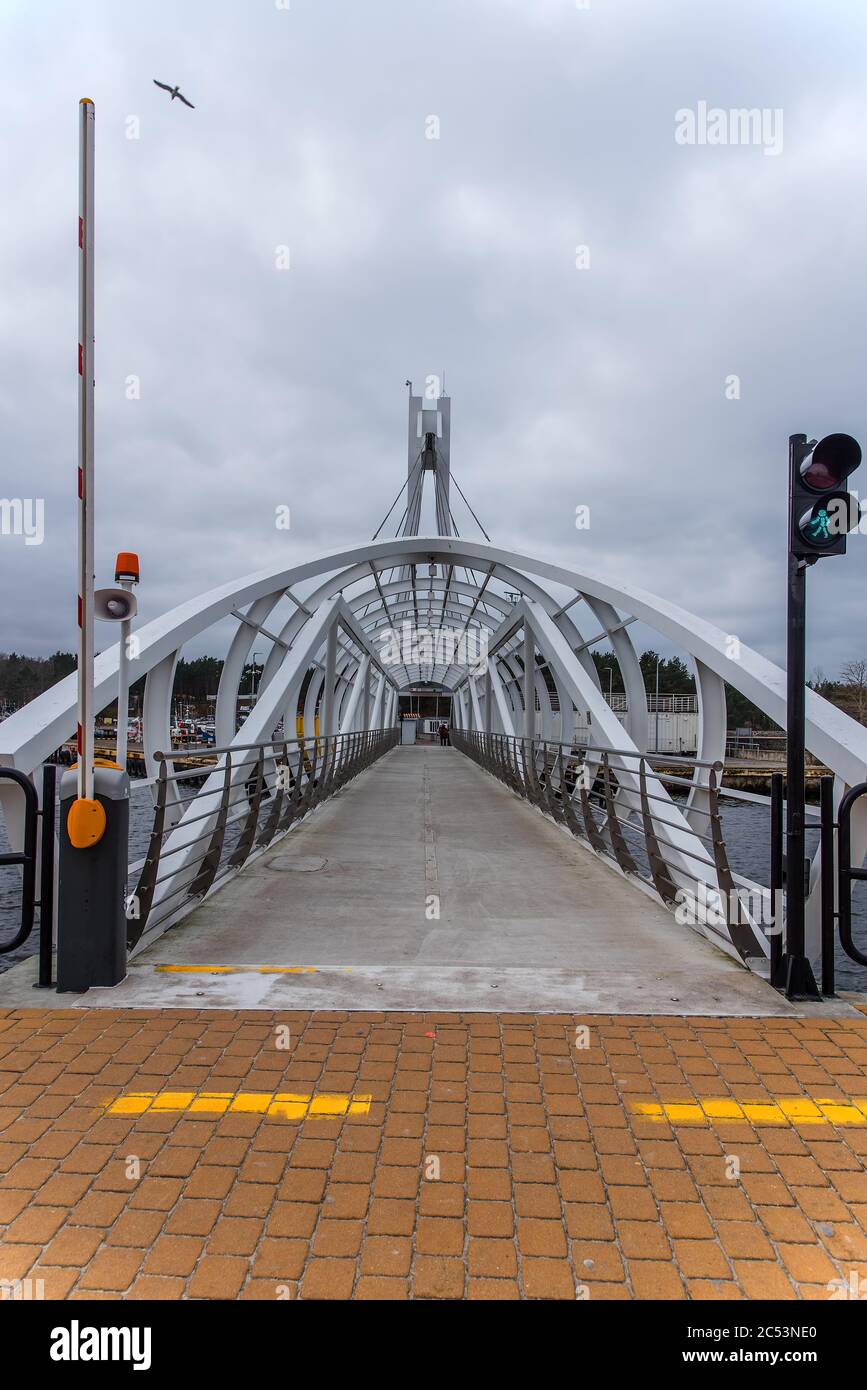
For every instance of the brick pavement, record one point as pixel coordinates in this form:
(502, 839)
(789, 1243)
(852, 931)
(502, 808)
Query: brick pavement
(476, 1156)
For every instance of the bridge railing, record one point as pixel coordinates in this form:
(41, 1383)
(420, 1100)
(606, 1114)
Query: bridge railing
(655, 816)
(232, 804)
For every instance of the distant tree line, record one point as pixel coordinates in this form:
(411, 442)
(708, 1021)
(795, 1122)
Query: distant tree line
(849, 691)
(22, 678)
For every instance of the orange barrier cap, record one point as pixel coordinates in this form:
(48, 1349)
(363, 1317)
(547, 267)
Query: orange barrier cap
(85, 824)
(98, 762)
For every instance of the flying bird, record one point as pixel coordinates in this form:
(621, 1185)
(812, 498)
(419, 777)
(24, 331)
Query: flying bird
(176, 92)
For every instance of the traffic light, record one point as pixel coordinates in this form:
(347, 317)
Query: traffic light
(821, 511)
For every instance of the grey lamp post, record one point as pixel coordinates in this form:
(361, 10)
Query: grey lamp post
(656, 722)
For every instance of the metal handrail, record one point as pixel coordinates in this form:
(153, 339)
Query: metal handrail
(42, 816)
(323, 764)
(300, 739)
(666, 758)
(26, 858)
(846, 872)
(514, 758)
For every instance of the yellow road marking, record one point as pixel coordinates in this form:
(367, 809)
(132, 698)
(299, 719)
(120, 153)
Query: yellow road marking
(785, 1110)
(723, 1110)
(235, 969)
(281, 1105)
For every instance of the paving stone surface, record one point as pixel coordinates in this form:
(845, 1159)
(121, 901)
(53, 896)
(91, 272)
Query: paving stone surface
(181, 1154)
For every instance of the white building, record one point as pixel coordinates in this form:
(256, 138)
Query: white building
(672, 728)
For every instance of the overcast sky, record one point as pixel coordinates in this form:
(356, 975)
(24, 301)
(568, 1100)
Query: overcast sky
(603, 386)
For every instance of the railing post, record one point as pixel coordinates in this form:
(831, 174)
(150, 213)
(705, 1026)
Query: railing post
(515, 781)
(245, 841)
(594, 834)
(555, 807)
(662, 880)
(776, 878)
(210, 861)
(269, 830)
(739, 931)
(316, 764)
(325, 780)
(615, 833)
(46, 879)
(827, 882)
(144, 891)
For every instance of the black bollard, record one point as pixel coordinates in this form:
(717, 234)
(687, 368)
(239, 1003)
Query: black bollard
(91, 925)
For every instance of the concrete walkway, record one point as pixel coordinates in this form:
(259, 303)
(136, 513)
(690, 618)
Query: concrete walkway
(426, 884)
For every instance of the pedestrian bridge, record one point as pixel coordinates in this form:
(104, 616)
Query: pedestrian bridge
(521, 864)
(425, 883)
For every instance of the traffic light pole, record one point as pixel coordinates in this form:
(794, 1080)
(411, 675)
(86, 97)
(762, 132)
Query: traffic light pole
(797, 973)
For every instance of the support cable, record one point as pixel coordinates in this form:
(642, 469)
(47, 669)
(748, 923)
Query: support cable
(472, 513)
(403, 485)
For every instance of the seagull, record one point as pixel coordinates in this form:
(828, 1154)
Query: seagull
(176, 92)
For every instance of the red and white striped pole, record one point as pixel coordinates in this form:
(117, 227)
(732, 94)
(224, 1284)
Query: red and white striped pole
(85, 449)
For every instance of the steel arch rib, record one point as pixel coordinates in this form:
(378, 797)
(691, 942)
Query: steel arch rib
(32, 734)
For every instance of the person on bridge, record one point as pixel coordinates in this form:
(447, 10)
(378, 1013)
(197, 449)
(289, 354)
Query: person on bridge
(444, 735)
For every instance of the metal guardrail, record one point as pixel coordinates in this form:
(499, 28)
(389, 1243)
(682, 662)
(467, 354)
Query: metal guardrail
(25, 859)
(34, 817)
(264, 789)
(582, 787)
(846, 872)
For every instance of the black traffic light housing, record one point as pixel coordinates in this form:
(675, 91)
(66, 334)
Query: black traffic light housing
(821, 511)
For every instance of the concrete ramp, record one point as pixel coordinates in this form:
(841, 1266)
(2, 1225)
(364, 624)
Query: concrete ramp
(426, 884)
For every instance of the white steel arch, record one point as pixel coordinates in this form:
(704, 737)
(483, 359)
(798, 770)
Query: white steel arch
(513, 602)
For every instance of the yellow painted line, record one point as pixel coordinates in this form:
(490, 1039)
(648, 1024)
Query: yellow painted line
(235, 969)
(172, 1100)
(289, 1107)
(279, 1105)
(211, 1102)
(329, 1105)
(840, 1114)
(136, 1103)
(806, 1112)
(193, 969)
(785, 1110)
(723, 1110)
(251, 1103)
(764, 1114)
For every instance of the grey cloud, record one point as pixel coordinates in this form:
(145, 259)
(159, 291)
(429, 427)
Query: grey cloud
(603, 387)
